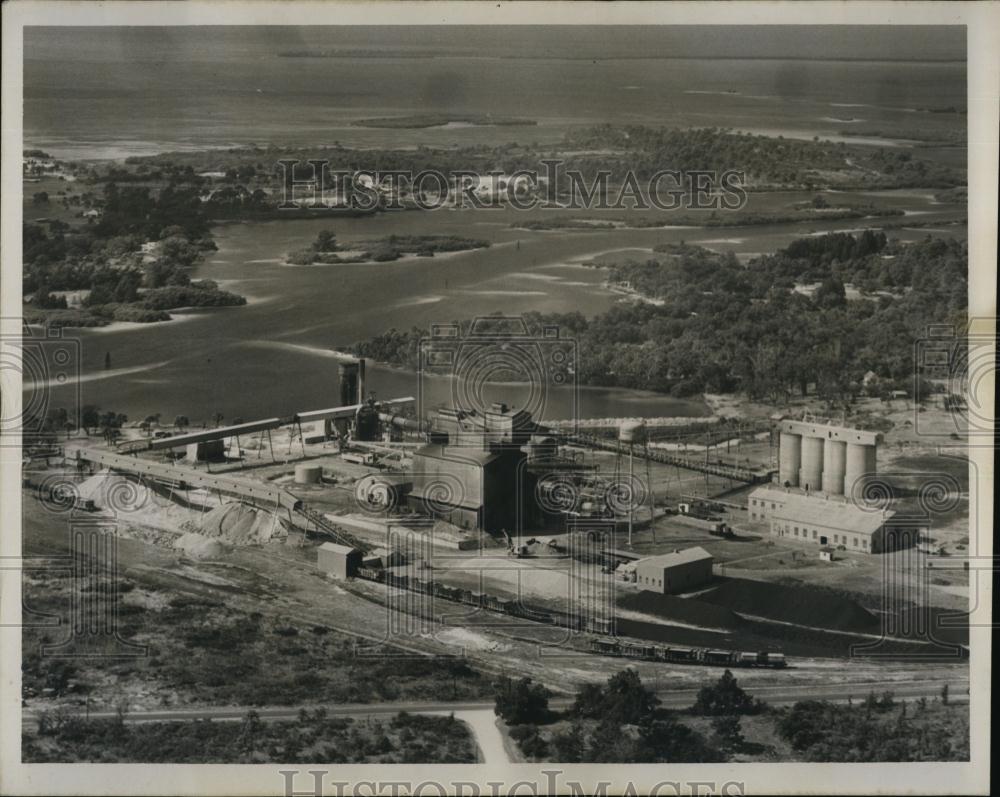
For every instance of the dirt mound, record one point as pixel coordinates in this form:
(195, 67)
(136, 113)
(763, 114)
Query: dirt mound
(791, 604)
(240, 524)
(198, 546)
(689, 611)
(135, 504)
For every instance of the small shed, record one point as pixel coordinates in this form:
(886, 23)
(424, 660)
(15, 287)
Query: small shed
(340, 561)
(826, 554)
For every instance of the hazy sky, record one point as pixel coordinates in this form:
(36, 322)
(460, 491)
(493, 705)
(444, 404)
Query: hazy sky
(790, 41)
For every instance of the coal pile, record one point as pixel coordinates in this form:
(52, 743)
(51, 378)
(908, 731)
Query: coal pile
(804, 605)
(689, 611)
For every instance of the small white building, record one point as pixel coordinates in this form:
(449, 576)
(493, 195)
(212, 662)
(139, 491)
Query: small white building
(336, 560)
(672, 573)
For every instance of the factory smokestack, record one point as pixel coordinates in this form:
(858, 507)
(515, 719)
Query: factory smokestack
(349, 384)
(362, 385)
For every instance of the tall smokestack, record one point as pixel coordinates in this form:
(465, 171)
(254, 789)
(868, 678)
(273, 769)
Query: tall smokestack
(362, 387)
(348, 384)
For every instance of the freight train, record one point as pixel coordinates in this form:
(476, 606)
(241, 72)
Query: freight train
(492, 603)
(719, 658)
(590, 625)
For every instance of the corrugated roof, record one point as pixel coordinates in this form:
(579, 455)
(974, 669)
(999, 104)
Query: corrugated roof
(821, 510)
(337, 548)
(696, 554)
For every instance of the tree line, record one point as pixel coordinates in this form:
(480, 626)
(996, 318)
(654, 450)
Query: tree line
(772, 328)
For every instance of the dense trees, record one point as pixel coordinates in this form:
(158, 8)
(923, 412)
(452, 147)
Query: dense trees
(721, 326)
(623, 700)
(142, 241)
(325, 249)
(521, 701)
(879, 730)
(725, 698)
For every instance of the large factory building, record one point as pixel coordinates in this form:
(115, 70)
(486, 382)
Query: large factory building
(822, 473)
(468, 487)
(820, 519)
(472, 474)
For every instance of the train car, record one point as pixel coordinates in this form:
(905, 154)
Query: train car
(747, 659)
(638, 650)
(490, 602)
(718, 657)
(677, 655)
(537, 616)
(609, 647)
(503, 605)
(776, 660)
(371, 573)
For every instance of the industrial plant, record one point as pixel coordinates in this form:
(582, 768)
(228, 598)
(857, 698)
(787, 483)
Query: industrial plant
(825, 479)
(544, 523)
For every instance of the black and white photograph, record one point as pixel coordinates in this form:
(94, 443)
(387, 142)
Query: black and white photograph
(600, 399)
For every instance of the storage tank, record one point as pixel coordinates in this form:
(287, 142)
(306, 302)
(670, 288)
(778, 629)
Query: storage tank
(632, 432)
(811, 469)
(834, 464)
(308, 474)
(366, 422)
(790, 458)
(860, 462)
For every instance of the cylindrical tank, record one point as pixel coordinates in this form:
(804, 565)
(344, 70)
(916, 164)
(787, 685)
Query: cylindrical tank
(860, 463)
(811, 468)
(308, 474)
(790, 458)
(366, 423)
(632, 432)
(348, 384)
(834, 464)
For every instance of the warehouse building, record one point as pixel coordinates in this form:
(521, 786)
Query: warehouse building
(468, 487)
(825, 520)
(672, 573)
(341, 561)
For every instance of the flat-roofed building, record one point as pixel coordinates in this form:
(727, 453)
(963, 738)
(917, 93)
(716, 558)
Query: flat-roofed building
(341, 561)
(671, 573)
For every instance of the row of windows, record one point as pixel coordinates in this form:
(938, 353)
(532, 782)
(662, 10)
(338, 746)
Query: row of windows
(837, 539)
(763, 503)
